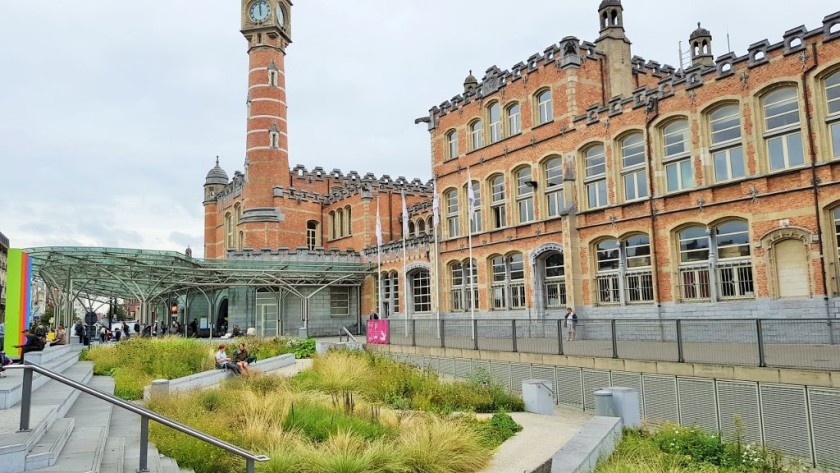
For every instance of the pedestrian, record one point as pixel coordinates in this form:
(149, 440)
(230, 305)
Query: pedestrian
(194, 328)
(571, 321)
(125, 331)
(102, 333)
(374, 316)
(137, 327)
(79, 330)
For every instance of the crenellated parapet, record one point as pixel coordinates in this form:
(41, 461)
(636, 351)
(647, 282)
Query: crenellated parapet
(396, 246)
(300, 254)
(232, 190)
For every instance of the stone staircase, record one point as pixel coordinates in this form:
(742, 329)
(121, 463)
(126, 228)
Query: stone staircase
(70, 432)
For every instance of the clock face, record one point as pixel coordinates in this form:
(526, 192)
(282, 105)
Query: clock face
(281, 16)
(259, 11)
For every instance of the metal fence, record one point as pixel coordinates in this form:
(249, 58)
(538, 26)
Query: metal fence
(780, 343)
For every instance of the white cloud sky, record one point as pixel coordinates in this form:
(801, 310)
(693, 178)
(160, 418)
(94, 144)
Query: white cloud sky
(111, 113)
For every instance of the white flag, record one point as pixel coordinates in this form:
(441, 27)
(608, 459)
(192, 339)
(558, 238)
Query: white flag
(405, 217)
(435, 207)
(470, 197)
(378, 225)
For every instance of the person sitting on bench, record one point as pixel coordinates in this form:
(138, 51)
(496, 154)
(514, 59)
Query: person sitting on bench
(223, 361)
(242, 357)
(33, 343)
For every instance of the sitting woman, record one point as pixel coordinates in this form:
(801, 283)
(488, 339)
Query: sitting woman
(59, 336)
(223, 361)
(241, 358)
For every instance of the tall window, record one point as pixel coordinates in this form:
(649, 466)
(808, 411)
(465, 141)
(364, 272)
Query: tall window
(679, 173)
(451, 144)
(781, 129)
(476, 135)
(395, 293)
(229, 231)
(237, 217)
(421, 227)
(339, 226)
(453, 222)
(624, 274)
(348, 215)
(497, 202)
(508, 286)
(475, 220)
(514, 119)
(545, 112)
(727, 154)
(339, 301)
(596, 177)
(554, 202)
(494, 115)
(311, 234)
(734, 268)
(463, 284)
(731, 266)
(633, 167)
(421, 291)
(411, 229)
(554, 281)
(333, 232)
(525, 194)
(832, 95)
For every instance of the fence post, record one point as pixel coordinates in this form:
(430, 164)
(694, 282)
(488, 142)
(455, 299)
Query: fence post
(559, 336)
(249, 465)
(475, 334)
(26, 399)
(513, 335)
(413, 332)
(442, 334)
(760, 336)
(680, 353)
(144, 444)
(614, 340)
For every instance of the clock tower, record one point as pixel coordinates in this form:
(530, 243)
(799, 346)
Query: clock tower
(266, 25)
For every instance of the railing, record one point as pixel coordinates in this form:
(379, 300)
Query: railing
(345, 333)
(780, 343)
(145, 415)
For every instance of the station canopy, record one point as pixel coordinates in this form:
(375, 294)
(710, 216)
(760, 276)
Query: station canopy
(148, 274)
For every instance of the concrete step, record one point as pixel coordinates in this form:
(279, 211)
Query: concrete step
(57, 358)
(112, 462)
(168, 465)
(46, 451)
(49, 403)
(85, 449)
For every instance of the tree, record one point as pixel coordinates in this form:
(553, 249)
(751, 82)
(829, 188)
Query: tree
(47, 315)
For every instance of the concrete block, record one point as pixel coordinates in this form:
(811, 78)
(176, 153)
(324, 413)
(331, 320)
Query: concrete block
(471, 354)
(538, 395)
(714, 371)
(809, 378)
(749, 373)
(555, 360)
(835, 379)
(533, 358)
(637, 366)
(611, 364)
(509, 356)
(159, 387)
(674, 368)
(580, 361)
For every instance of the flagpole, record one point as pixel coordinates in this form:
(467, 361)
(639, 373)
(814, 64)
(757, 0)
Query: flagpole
(435, 224)
(379, 261)
(471, 211)
(405, 258)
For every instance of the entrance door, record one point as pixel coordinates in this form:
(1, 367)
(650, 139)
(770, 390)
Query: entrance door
(791, 269)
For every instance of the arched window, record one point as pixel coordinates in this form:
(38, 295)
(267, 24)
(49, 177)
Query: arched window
(782, 130)
(430, 224)
(229, 231)
(525, 194)
(608, 265)
(554, 281)
(333, 233)
(411, 229)
(676, 156)
(476, 135)
(453, 222)
(555, 203)
(348, 215)
(475, 220)
(498, 207)
(240, 241)
(312, 234)
(725, 134)
(596, 176)
(421, 293)
(237, 216)
(390, 293)
(715, 262)
(339, 227)
(494, 118)
(508, 286)
(421, 227)
(832, 96)
(463, 283)
(514, 119)
(633, 167)
(545, 111)
(451, 144)
(624, 274)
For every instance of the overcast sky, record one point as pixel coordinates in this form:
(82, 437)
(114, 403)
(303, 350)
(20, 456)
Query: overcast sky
(112, 112)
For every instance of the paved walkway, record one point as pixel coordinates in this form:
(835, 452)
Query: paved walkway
(540, 438)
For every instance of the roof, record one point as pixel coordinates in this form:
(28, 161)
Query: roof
(147, 274)
(700, 32)
(609, 3)
(217, 175)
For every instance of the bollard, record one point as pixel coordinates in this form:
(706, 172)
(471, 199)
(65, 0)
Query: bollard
(604, 403)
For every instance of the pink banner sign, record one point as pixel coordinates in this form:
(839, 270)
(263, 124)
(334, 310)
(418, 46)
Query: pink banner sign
(377, 332)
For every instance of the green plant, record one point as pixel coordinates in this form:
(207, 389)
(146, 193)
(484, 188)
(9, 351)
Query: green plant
(499, 428)
(319, 423)
(302, 348)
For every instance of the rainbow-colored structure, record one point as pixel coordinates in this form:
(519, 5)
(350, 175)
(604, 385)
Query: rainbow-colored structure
(18, 300)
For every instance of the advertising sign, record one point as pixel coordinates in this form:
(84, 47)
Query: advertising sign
(377, 332)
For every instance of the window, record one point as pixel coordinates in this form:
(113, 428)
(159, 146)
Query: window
(228, 231)
(339, 301)
(333, 231)
(421, 291)
(451, 144)
(624, 264)
(596, 180)
(525, 195)
(274, 139)
(633, 167)
(679, 173)
(545, 112)
(475, 220)
(463, 284)
(349, 218)
(732, 267)
(781, 129)
(395, 291)
(237, 216)
(727, 154)
(832, 95)
(494, 114)
(421, 227)
(453, 222)
(240, 241)
(476, 135)
(411, 229)
(272, 78)
(554, 281)
(514, 119)
(497, 202)
(311, 234)
(554, 202)
(339, 226)
(508, 287)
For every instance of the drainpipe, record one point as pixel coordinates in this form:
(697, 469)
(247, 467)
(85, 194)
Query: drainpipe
(812, 151)
(655, 268)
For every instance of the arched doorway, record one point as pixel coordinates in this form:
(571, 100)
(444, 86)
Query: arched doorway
(791, 268)
(222, 318)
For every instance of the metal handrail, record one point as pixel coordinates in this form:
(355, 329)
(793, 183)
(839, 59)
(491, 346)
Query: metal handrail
(145, 415)
(349, 335)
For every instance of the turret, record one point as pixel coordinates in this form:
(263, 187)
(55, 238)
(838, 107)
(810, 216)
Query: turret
(701, 47)
(215, 182)
(470, 83)
(613, 43)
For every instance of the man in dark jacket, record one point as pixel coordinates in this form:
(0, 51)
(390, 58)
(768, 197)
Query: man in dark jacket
(32, 343)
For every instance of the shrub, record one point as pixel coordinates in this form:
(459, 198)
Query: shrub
(320, 423)
(499, 428)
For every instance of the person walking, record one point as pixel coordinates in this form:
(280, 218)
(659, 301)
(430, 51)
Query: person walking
(194, 328)
(571, 321)
(79, 330)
